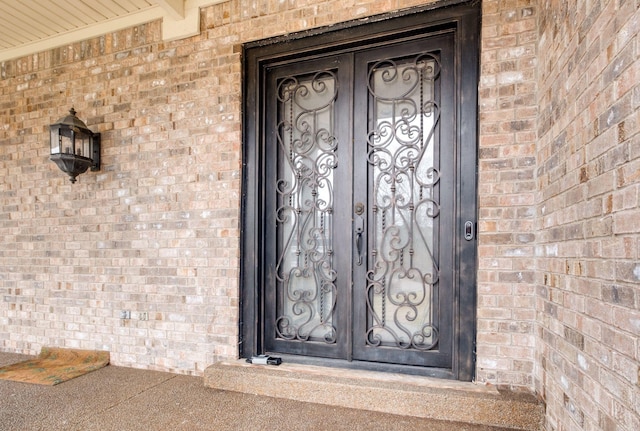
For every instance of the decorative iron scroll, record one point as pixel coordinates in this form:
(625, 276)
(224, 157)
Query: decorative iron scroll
(306, 288)
(402, 280)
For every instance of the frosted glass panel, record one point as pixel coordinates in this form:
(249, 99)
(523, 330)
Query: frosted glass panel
(403, 275)
(306, 161)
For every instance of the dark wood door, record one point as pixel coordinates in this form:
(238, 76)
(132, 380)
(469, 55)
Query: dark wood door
(363, 153)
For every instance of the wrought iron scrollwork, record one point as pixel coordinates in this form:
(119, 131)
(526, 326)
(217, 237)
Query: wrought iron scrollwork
(402, 280)
(307, 157)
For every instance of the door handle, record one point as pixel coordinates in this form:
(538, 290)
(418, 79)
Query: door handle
(359, 230)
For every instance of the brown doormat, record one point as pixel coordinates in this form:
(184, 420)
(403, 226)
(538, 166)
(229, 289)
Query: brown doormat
(55, 365)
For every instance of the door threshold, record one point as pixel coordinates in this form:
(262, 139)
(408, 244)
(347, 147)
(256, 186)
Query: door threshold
(405, 395)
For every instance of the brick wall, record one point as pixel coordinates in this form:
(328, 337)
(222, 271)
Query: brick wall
(155, 231)
(588, 215)
(506, 273)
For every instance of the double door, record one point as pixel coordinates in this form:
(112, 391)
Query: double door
(362, 221)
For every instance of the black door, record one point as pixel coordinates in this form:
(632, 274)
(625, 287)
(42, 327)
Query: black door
(362, 224)
(404, 174)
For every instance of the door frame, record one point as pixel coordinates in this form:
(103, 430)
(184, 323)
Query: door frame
(461, 17)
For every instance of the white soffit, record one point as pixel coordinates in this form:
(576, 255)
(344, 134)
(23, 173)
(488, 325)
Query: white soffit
(30, 26)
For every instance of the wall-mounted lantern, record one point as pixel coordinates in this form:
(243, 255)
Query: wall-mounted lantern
(74, 148)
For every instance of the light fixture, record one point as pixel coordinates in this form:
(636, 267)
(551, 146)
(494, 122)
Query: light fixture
(74, 148)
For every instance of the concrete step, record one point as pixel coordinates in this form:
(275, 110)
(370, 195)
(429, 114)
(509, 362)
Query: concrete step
(405, 395)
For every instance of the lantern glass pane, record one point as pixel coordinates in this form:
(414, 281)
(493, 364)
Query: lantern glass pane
(81, 142)
(55, 140)
(66, 141)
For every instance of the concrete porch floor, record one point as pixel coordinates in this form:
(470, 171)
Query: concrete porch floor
(117, 398)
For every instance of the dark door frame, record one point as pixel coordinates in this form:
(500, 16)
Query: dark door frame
(461, 17)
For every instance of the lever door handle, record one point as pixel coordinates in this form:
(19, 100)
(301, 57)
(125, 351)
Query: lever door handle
(359, 231)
